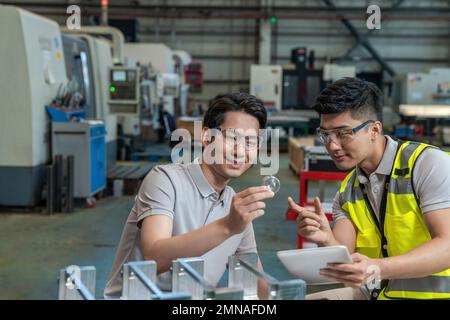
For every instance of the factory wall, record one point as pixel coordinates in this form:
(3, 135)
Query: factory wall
(226, 39)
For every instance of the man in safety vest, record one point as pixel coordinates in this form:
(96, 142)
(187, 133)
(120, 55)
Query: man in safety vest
(392, 211)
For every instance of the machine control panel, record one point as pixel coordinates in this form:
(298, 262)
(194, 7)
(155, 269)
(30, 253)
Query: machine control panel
(124, 85)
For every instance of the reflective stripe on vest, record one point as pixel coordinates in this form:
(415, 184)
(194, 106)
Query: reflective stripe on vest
(438, 284)
(404, 226)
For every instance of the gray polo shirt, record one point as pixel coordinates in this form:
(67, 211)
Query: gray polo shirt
(182, 193)
(431, 180)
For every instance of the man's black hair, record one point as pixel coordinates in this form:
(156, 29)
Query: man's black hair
(237, 101)
(361, 98)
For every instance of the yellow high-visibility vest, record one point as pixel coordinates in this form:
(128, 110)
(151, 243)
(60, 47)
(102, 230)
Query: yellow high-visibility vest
(401, 228)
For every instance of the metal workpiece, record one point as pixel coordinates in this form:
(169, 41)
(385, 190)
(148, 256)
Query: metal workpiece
(243, 277)
(188, 275)
(188, 282)
(243, 273)
(77, 283)
(139, 280)
(294, 289)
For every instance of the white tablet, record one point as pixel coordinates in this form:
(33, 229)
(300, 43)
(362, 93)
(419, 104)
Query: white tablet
(306, 263)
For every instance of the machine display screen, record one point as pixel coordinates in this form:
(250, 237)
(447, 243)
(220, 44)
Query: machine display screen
(119, 76)
(124, 88)
(131, 75)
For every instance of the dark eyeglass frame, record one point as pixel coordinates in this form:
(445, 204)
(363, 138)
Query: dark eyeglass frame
(259, 137)
(354, 130)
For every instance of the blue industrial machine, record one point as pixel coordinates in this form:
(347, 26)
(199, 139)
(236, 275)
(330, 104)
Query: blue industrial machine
(85, 140)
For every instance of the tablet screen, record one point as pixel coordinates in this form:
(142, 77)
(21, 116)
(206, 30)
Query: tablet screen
(305, 264)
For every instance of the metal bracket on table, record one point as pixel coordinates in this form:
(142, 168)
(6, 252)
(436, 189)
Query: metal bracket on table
(243, 273)
(188, 275)
(139, 280)
(77, 283)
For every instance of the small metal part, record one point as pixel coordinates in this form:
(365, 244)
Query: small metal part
(272, 183)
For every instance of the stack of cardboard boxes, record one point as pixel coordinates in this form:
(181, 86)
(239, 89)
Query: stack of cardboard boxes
(296, 152)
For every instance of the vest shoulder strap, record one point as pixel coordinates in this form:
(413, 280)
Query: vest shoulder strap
(403, 163)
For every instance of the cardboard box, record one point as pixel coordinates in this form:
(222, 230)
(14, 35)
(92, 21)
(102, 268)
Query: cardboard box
(296, 153)
(187, 123)
(304, 155)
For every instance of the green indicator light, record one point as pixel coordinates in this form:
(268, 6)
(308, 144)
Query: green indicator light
(112, 89)
(274, 20)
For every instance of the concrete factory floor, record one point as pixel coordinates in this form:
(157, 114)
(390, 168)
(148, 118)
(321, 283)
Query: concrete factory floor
(33, 247)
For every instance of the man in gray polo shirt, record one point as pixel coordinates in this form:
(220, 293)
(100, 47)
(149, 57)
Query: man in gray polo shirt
(189, 211)
(393, 209)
